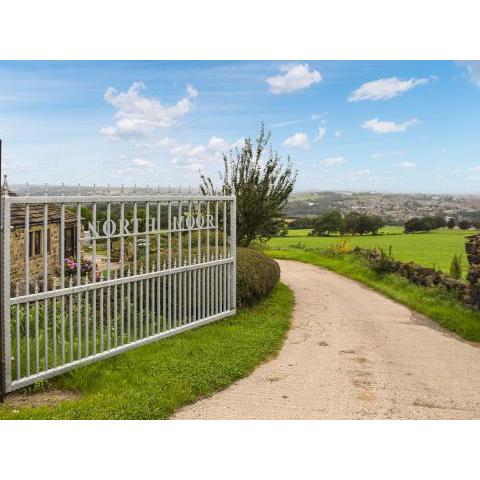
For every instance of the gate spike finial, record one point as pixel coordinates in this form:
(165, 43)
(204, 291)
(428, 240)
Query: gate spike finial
(27, 190)
(94, 188)
(158, 188)
(135, 188)
(123, 189)
(63, 188)
(175, 262)
(5, 186)
(78, 193)
(70, 282)
(36, 286)
(164, 265)
(17, 290)
(108, 189)
(45, 189)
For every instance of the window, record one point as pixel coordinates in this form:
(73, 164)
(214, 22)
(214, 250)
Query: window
(36, 242)
(70, 247)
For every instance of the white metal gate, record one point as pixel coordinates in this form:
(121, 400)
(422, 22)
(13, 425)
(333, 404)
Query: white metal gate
(86, 277)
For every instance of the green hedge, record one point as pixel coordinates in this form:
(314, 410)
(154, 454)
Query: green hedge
(257, 275)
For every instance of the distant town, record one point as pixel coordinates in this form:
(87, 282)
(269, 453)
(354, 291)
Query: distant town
(395, 209)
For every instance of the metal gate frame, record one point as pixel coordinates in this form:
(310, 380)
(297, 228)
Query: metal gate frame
(216, 262)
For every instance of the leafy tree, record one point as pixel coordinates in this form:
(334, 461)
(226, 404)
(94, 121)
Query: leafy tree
(464, 224)
(450, 222)
(330, 222)
(437, 222)
(417, 225)
(362, 223)
(376, 223)
(351, 223)
(456, 266)
(262, 185)
(302, 222)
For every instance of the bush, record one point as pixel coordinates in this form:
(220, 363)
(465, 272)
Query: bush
(456, 267)
(257, 275)
(464, 224)
(383, 263)
(424, 224)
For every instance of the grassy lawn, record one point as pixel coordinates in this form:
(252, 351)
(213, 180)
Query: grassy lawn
(153, 381)
(434, 249)
(432, 302)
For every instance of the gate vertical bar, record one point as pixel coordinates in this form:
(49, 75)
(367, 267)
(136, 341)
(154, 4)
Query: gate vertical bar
(2, 346)
(233, 252)
(6, 358)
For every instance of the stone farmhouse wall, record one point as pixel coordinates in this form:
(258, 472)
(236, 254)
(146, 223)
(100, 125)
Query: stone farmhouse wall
(17, 257)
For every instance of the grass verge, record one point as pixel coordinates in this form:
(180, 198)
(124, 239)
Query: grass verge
(435, 303)
(153, 381)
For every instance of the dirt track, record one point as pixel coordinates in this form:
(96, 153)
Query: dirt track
(353, 354)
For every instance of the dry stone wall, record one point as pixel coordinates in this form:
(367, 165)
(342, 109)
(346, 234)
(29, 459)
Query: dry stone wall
(472, 248)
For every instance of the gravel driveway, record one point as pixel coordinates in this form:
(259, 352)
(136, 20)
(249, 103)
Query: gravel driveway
(353, 354)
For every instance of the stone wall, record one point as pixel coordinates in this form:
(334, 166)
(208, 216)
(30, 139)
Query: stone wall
(17, 257)
(472, 248)
(426, 277)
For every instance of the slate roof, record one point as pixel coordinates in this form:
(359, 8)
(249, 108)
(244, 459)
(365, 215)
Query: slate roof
(36, 215)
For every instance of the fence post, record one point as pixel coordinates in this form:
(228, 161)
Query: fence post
(3, 379)
(233, 247)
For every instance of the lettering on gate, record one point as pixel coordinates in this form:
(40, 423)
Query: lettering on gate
(184, 223)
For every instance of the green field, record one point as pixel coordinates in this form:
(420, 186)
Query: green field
(434, 249)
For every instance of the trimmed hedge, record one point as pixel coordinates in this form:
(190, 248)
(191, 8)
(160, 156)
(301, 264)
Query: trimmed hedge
(257, 275)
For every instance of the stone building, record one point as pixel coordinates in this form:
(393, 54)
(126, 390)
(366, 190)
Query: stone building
(36, 241)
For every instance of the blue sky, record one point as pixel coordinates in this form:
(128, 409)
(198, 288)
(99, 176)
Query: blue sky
(393, 126)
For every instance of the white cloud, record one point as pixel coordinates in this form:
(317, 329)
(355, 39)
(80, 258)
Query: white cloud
(338, 133)
(474, 169)
(473, 71)
(384, 88)
(218, 144)
(386, 154)
(378, 126)
(297, 140)
(406, 164)
(138, 116)
(136, 167)
(331, 161)
(362, 172)
(296, 77)
(321, 133)
(192, 91)
(140, 162)
(190, 156)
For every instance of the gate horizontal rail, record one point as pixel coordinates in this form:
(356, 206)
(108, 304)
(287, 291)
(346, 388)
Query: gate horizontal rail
(86, 277)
